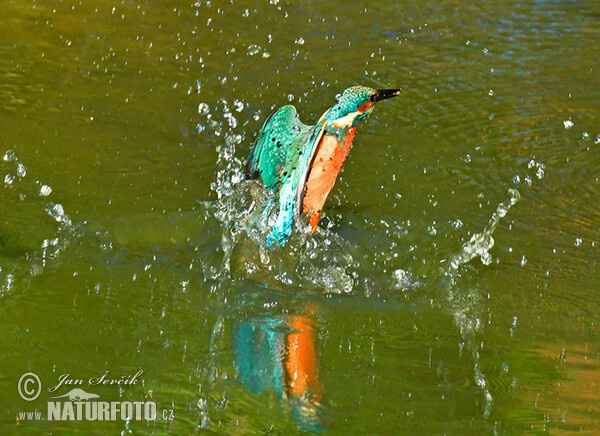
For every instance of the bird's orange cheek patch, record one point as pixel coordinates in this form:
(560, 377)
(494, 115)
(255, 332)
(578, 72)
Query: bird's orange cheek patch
(364, 107)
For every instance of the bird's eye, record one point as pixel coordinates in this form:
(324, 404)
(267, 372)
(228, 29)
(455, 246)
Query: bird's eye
(373, 98)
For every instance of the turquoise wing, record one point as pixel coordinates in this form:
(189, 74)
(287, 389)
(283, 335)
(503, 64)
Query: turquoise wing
(280, 134)
(281, 156)
(293, 178)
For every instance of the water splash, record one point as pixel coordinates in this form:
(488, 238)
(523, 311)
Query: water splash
(6, 284)
(480, 244)
(57, 211)
(246, 215)
(465, 306)
(51, 245)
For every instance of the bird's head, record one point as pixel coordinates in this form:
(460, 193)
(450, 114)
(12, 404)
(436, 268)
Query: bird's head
(354, 104)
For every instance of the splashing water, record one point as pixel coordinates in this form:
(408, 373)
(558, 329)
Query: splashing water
(465, 306)
(480, 244)
(50, 246)
(246, 215)
(57, 211)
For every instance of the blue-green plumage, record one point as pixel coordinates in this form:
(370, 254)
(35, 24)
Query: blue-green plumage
(285, 148)
(280, 157)
(276, 141)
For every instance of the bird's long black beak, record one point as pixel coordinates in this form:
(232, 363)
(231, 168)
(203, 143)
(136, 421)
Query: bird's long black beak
(384, 94)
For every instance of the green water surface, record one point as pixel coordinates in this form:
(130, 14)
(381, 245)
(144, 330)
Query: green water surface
(453, 285)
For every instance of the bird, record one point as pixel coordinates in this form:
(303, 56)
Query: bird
(299, 163)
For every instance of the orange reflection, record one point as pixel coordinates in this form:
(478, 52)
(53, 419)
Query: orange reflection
(301, 363)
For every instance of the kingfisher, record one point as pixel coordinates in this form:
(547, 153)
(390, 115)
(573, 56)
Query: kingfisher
(299, 163)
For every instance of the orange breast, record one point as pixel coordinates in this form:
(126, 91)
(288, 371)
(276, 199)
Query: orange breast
(326, 166)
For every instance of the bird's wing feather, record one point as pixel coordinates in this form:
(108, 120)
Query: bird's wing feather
(293, 178)
(275, 144)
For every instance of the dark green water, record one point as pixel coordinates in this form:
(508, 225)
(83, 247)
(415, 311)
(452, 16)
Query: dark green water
(403, 314)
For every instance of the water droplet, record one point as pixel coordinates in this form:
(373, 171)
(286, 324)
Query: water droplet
(486, 258)
(514, 196)
(540, 172)
(203, 109)
(45, 191)
(9, 179)
(563, 354)
(57, 212)
(10, 156)
(239, 106)
(523, 261)
(21, 170)
(253, 49)
(568, 124)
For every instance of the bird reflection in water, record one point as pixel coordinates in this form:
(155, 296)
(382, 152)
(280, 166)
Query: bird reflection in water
(279, 354)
